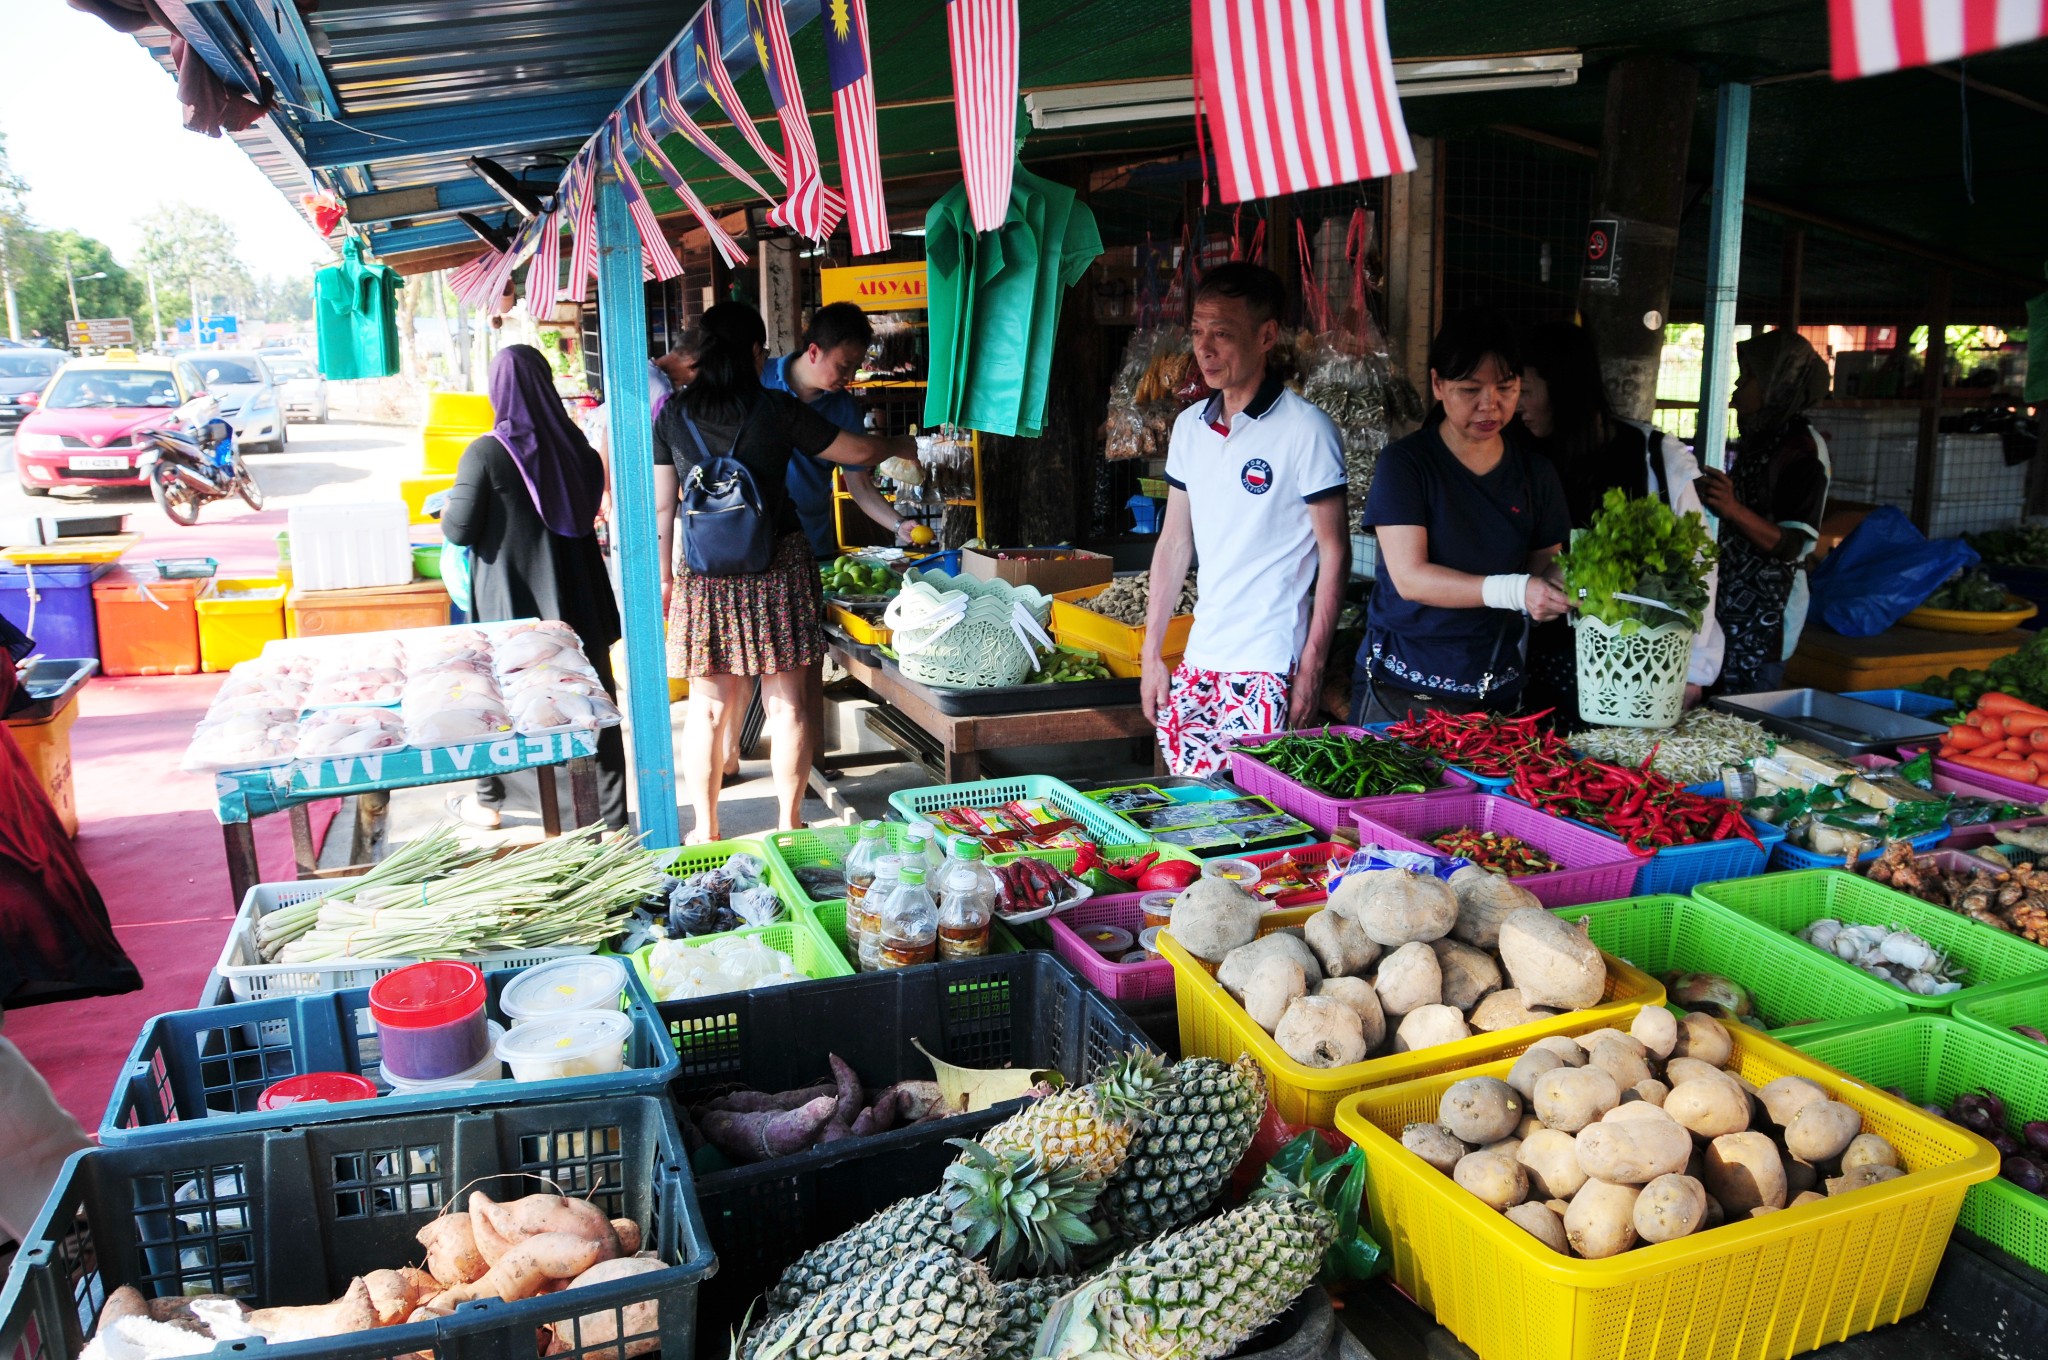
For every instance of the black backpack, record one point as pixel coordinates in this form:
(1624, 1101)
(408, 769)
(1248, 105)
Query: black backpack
(727, 530)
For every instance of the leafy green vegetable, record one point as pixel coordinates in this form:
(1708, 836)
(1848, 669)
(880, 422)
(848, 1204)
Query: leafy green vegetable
(1971, 589)
(2022, 674)
(1639, 547)
(2018, 547)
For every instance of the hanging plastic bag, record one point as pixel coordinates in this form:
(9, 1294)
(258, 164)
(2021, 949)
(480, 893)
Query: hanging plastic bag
(1883, 571)
(455, 577)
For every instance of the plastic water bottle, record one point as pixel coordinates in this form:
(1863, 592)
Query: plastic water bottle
(910, 921)
(923, 840)
(860, 874)
(967, 903)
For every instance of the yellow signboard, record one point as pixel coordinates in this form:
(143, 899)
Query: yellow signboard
(875, 287)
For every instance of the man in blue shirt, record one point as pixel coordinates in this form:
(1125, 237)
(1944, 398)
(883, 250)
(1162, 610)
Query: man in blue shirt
(817, 375)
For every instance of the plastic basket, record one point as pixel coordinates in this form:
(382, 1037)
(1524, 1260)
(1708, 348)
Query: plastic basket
(1757, 1290)
(1105, 826)
(1933, 1059)
(2018, 790)
(824, 847)
(1596, 867)
(1214, 1025)
(1791, 902)
(1079, 626)
(1792, 986)
(830, 920)
(1785, 855)
(1631, 675)
(1995, 1010)
(1902, 701)
(1981, 833)
(1325, 812)
(798, 935)
(1151, 980)
(857, 626)
(248, 978)
(289, 1216)
(205, 1069)
(1484, 781)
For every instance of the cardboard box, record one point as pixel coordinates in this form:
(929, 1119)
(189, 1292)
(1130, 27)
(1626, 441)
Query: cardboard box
(1050, 570)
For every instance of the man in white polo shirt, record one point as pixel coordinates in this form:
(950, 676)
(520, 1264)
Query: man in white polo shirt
(1256, 482)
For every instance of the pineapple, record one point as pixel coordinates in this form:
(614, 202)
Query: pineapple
(1030, 1216)
(1086, 1126)
(1022, 1305)
(1203, 1119)
(932, 1305)
(1200, 1292)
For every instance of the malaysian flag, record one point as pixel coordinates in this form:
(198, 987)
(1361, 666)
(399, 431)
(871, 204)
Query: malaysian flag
(983, 38)
(718, 84)
(852, 76)
(544, 275)
(1297, 94)
(804, 209)
(657, 256)
(583, 228)
(679, 120)
(1870, 37)
(732, 251)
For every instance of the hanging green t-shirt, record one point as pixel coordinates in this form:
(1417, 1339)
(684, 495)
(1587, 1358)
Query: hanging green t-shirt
(355, 317)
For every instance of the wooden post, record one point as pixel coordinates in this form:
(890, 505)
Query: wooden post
(1413, 288)
(1280, 254)
(1724, 272)
(1640, 187)
(1791, 277)
(781, 299)
(1939, 292)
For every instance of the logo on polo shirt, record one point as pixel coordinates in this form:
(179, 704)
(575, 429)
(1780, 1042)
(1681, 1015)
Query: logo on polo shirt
(1257, 476)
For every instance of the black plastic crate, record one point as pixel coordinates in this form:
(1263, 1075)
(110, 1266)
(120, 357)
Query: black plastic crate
(1025, 1010)
(287, 1216)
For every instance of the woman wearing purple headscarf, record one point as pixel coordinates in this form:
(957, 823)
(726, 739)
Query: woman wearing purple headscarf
(525, 504)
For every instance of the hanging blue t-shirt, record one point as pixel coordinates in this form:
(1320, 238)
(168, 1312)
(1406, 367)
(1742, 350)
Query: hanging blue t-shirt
(809, 480)
(1482, 526)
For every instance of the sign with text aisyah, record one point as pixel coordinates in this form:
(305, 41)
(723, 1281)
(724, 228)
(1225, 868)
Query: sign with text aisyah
(875, 287)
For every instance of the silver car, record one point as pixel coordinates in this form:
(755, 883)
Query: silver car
(299, 383)
(248, 397)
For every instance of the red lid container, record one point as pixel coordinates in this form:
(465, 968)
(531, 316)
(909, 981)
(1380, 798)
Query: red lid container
(428, 995)
(311, 1087)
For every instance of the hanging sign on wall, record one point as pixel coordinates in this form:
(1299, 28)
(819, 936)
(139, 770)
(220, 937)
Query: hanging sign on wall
(876, 287)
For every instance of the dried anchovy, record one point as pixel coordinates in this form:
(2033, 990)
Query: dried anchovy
(1705, 742)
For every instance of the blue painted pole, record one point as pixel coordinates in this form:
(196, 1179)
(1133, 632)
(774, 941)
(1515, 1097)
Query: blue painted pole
(1724, 272)
(622, 319)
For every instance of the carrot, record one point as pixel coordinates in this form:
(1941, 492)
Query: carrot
(2008, 756)
(2020, 724)
(1964, 738)
(2039, 738)
(1994, 702)
(2020, 744)
(2007, 768)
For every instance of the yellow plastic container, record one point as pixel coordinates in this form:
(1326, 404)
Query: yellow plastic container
(237, 617)
(372, 609)
(858, 628)
(1078, 627)
(46, 742)
(415, 490)
(453, 419)
(1214, 1025)
(71, 551)
(1124, 667)
(1761, 1289)
(678, 690)
(2016, 612)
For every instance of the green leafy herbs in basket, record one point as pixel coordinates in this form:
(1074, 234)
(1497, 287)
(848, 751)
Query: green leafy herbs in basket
(2022, 674)
(2025, 546)
(1350, 767)
(1971, 590)
(1639, 547)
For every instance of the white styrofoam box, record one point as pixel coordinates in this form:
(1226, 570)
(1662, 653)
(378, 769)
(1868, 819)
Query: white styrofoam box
(1973, 465)
(344, 547)
(1953, 515)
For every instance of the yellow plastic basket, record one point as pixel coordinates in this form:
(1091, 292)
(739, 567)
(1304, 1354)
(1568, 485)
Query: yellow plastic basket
(1077, 626)
(856, 627)
(1763, 1289)
(237, 618)
(1214, 1025)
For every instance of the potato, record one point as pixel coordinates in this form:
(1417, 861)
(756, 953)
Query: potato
(1409, 909)
(1709, 1107)
(1633, 1151)
(1572, 1097)
(1468, 973)
(1656, 1029)
(1552, 1161)
(1743, 1172)
(1480, 1109)
(1358, 994)
(1651, 1092)
(1601, 1221)
(1213, 916)
(1531, 1065)
(1716, 1215)
(1321, 1031)
(1634, 1110)
(1539, 1220)
(1341, 947)
(1274, 985)
(1564, 1046)
(1703, 1037)
(1869, 1174)
(1799, 1177)
(1507, 1147)
(1678, 1071)
(1434, 1144)
(1485, 899)
(1823, 1131)
(1236, 968)
(1551, 962)
(1670, 1207)
(1530, 1123)
(1807, 1197)
(1498, 1180)
(1787, 1096)
(1504, 1010)
(1409, 979)
(1428, 1026)
(1593, 1038)
(1620, 1061)
(1868, 1149)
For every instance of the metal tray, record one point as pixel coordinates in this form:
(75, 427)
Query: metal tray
(51, 681)
(1849, 727)
(965, 703)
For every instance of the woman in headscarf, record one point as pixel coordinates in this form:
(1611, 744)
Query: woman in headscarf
(525, 505)
(1770, 502)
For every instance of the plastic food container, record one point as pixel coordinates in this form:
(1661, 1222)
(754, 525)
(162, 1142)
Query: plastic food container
(586, 983)
(316, 1088)
(430, 1019)
(1112, 942)
(1158, 908)
(489, 1069)
(583, 1044)
(1242, 872)
(1148, 942)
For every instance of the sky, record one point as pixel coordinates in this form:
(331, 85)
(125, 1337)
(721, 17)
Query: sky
(95, 128)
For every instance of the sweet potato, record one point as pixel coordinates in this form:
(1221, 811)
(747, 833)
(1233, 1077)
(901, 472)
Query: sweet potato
(629, 1236)
(850, 1100)
(760, 1102)
(127, 1301)
(917, 1101)
(758, 1137)
(529, 1265)
(591, 1332)
(352, 1312)
(452, 1255)
(537, 1214)
(489, 1244)
(395, 1293)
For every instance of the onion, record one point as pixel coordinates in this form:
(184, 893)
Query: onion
(2007, 1145)
(2023, 1172)
(1972, 1113)
(2035, 1131)
(1996, 1106)
(2029, 1032)
(1698, 991)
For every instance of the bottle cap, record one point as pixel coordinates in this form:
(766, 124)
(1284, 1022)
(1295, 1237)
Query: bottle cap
(912, 873)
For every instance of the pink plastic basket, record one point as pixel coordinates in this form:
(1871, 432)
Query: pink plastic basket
(1949, 778)
(2019, 790)
(1309, 857)
(1597, 868)
(1320, 810)
(1145, 981)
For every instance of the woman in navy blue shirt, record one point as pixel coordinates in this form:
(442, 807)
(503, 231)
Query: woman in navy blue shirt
(1468, 522)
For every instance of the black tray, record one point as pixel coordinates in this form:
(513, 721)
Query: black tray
(965, 703)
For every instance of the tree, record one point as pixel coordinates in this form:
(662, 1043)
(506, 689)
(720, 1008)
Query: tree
(282, 297)
(13, 229)
(45, 295)
(195, 259)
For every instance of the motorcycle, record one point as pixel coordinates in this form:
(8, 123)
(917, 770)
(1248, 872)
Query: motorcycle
(193, 463)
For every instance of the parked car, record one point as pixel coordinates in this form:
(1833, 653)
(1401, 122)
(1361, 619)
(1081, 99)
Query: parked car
(93, 419)
(248, 395)
(24, 372)
(299, 383)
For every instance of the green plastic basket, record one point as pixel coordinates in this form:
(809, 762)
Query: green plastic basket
(798, 935)
(1105, 826)
(818, 847)
(830, 918)
(1995, 1010)
(1790, 902)
(1793, 987)
(1933, 1059)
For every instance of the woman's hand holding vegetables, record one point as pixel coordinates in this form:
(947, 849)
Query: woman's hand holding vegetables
(1543, 601)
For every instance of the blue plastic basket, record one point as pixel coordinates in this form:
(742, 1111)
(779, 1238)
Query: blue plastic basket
(194, 1072)
(1785, 855)
(1105, 826)
(1681, 868)
(1902, 701)
(1491, 781)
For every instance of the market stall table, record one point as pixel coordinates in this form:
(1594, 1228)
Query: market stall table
(1896, 657)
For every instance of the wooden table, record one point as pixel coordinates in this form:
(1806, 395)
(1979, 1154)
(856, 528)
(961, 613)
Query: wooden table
(1897, 657)
(961, 740)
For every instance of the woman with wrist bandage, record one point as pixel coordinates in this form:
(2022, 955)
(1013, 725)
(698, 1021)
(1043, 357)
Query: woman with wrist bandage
(1468, 523)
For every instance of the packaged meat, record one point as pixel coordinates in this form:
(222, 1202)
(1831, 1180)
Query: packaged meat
(530, 648)
(567, 674)
(430, 650)
(240, 740)
(349, 732)
(363, 685)
(451, 726)
(449, 690)
(539, 710)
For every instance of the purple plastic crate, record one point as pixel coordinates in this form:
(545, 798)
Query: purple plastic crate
(1597, 868)
(1147, 981)
(1972, 785)
(2018, 790)
(1320, 810)
(53, 605)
